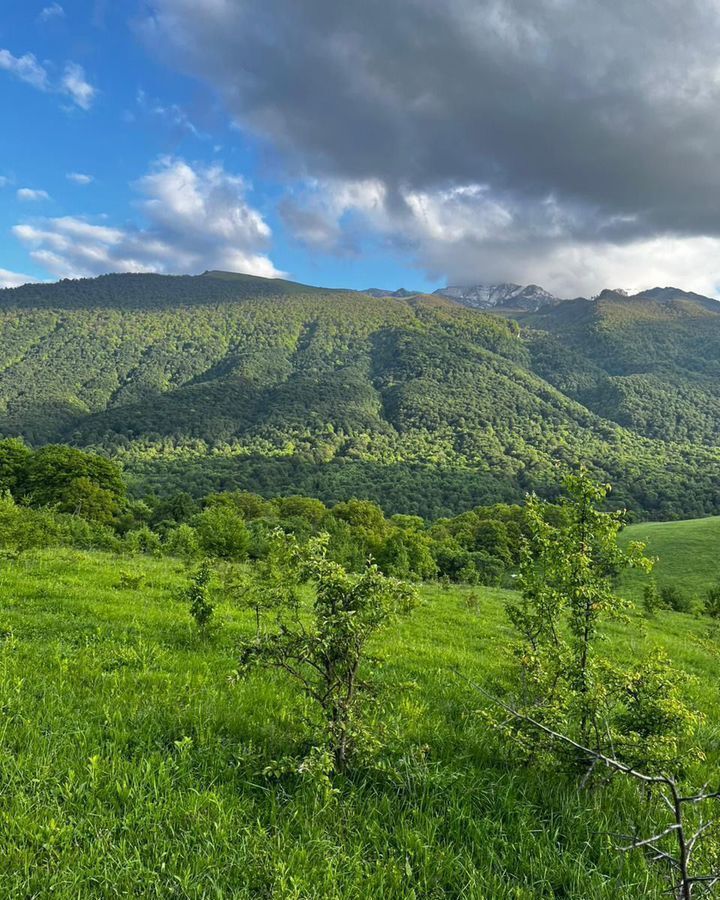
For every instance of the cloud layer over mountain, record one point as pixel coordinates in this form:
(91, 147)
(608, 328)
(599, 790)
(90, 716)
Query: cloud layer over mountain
(522, 139)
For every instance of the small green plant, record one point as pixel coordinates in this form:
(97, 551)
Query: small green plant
(197, 595)
(323, 648)
(130, 581)
(652, 601)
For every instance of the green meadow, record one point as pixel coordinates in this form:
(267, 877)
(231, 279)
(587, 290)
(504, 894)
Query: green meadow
(687, 553)
(132, 765)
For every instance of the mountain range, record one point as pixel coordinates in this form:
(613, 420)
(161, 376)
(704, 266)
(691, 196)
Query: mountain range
(519, 298)
(418, 401)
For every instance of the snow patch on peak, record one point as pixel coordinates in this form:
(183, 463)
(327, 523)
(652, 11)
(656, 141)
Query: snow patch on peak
(504, 296)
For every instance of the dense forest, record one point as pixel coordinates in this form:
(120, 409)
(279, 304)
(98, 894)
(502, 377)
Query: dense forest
(59, 495)
(221, 382)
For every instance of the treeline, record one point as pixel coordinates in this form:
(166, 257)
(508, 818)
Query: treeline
(61, 494)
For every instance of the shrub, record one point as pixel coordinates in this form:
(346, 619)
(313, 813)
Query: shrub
(197, 595)
(183, 542)
(142, 540)
(712, 602)
(324, 649)
(222, 532)
(676, 599)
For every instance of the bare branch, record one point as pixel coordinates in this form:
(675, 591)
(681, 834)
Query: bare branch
(651, 840)
(669, 794)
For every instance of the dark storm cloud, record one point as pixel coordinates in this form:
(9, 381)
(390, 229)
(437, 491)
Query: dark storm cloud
(605, 113)
(612, 105)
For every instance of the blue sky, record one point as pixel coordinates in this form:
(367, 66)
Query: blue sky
(363, 143)
(88, 152)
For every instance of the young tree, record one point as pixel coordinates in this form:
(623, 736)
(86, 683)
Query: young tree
(222, 532)
(567, 590)
(273, 583)
(197, 595)
(652, 600)
(323, 648)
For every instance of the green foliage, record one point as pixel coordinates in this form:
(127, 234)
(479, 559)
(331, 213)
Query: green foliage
(130, 581)
(567, 592)
(14, 461)
(182, 541)
(712, 602)
(221, 532)
(143, 540)
(74, 481)
(323, 650)
(197, 595)
(273, 583)
(673, 597)
(22, 528)
(69, 480)
(651, 598)
(213, 383)
(651, 722)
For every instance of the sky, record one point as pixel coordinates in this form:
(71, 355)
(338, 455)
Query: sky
(365, 143)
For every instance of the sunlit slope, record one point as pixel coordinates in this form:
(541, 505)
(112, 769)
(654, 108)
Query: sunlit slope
(687, 552)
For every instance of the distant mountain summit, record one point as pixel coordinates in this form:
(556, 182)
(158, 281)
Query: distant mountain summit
(530, 298)
(664, 295)
(500, 296)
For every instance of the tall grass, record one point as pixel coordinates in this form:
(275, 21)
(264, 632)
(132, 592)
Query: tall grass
(131, 766)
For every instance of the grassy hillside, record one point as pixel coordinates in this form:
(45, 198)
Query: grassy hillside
(131, 766)
(687, 553)
(220, 381)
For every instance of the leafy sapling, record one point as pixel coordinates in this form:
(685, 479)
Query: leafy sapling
(197, 595)
(567, 590)
(322, 645)
(272, 584)
(652, 600)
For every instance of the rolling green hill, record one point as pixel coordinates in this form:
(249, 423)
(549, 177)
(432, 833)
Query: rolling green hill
(687, 553)
(223, 380)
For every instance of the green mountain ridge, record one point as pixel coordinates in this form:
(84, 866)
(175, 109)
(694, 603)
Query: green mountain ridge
(223, 380)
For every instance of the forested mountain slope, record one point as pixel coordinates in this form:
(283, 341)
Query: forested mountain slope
(222, 380)
(650, 362)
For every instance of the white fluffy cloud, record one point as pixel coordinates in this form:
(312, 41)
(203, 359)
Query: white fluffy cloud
(77, 87)
(72, 83)
(79, 178)
(10, 279)
(53, 11)
(196, 217)
(32, 194)
(26, 68)
(469, 231)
